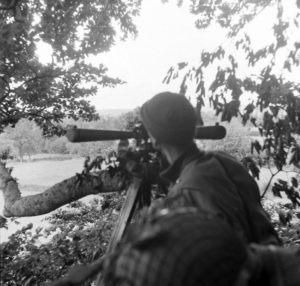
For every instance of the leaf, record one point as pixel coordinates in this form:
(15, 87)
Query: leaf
(268, 123)
(284, 217)
(278, 161)
(168, 76)
(27, 227)
(18, 15)
(226, 114)
(175, 75)
(230, 110)
(255, 145)
(294, 182)
(253, 120)
(200, 100)
(245, 118)
(249, 108)
(182, 65)
(238, 43)
(287, 65)
(293, 195)
(200, 86)
(278, 187)
(276, 191)
(3, 222)
(183, 86)
(293, 155)
(205, 59)
(251, 166)
(165, 79)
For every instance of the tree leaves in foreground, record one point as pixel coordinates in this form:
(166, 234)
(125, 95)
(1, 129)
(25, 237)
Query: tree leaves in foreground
(264, 75)
(282, 186)
(77, 234)
(72, 31)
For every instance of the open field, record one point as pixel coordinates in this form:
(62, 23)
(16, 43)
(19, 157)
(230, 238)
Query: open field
(45, 173)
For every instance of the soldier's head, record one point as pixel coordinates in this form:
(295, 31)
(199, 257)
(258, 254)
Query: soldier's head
(181, 247)
(169, 119)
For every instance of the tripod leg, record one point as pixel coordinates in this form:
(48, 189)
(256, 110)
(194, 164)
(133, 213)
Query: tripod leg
(125, 216)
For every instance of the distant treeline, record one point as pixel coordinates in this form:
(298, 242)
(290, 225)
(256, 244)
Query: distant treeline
(25, 138)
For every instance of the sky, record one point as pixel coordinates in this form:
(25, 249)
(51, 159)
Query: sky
(166, 35)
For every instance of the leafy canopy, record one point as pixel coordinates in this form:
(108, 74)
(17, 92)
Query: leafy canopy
(264, 74)
(73, 30)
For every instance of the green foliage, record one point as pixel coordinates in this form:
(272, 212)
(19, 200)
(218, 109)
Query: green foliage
(129, 120)
(282, 186)
(5, 153)
(243, 70)
(57, 145)
(25, 138)
(74, 30)
(251, 166)
(78, 234)
(285, 220)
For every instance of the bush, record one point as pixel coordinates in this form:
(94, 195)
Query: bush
(79, 234)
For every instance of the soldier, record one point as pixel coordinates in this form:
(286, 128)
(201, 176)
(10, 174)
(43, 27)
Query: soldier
(199, 235)
(212, 182)
(185, 247)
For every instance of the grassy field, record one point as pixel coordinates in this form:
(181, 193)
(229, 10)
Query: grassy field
(44, 173)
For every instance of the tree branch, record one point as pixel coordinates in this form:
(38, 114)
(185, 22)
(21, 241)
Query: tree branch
(7, 93)
(10, 6)
(5, 81)
(37, 77)
(56, 196)
(269, 183)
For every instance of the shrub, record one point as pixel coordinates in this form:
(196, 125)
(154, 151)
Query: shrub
(79, 233)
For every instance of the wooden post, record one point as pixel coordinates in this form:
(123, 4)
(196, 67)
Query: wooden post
(125, 216)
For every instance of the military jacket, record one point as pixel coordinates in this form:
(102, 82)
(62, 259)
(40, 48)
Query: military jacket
(216, 183)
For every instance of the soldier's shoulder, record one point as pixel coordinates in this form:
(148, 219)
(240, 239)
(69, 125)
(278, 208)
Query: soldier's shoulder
(220, 155)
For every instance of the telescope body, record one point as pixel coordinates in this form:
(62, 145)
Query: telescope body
(87, 135)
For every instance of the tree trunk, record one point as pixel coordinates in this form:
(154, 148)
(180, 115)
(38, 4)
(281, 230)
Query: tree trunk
(56, 196)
